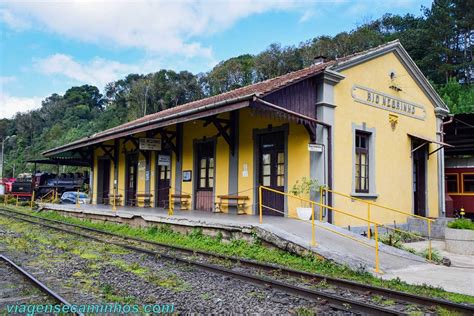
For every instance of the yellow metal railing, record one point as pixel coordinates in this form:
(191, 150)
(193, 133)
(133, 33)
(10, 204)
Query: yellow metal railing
(51, 194)
(313, 225)
(371, 204)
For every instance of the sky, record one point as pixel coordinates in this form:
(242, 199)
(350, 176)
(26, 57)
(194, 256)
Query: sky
(49, 46)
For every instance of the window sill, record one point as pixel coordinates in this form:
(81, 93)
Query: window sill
(365, 195)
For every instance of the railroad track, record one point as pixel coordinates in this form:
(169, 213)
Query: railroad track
(349, 295)
(18, 286)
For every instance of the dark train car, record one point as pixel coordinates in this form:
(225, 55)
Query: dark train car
(22, 187)
(45, 182)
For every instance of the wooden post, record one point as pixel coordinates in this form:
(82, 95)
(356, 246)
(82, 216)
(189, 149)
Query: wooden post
(260, 203)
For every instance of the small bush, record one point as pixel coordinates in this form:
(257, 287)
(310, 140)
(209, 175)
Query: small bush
(461, 223)
(435, 255)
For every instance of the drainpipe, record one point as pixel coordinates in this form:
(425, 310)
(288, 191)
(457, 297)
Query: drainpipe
(441, 164)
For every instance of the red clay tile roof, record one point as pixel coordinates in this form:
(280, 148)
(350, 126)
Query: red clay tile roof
(257, 89)
(260, 88)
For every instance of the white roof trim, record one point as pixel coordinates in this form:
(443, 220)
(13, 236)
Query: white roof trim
(397, 48)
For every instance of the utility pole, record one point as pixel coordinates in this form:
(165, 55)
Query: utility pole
(146, 96)
(2, 161)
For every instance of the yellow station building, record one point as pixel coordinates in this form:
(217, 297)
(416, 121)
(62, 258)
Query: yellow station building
(368, 126)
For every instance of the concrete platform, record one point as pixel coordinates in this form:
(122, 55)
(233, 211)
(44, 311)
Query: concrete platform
(457, 278)
(330, 243)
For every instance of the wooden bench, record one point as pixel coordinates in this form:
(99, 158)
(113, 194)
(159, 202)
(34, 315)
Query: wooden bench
(112, 197)
(182, 200)
(231, 200)
(144, 198)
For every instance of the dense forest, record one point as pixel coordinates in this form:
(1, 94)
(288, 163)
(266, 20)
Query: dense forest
(440, 41)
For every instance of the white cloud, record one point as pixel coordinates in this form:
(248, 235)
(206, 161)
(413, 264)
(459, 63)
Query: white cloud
(308, 15)
(10, 105)
(97, 71)
(13, 21)
(159, 26)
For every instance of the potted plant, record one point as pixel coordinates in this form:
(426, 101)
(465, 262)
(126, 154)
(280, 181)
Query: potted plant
(302, 188)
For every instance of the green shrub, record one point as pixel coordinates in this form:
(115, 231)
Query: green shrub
(461, 223)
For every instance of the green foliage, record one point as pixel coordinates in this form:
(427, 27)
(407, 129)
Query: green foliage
(459, 98)
(461, 223)
(304, 186)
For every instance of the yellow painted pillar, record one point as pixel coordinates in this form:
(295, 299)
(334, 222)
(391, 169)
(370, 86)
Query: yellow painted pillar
(376, 232)
(429, 240)
(114, 207)
(321, 202)
(170, 203)
(260, 203)
(313, 228)
(77, 199)
(368, 220)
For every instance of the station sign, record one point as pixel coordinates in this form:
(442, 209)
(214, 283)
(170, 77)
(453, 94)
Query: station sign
(164, 160)
(318, 148)
(387, 102)
(149, 144)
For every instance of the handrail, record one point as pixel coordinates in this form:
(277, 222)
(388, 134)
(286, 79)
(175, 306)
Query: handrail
(376, 204)
(320, 205)
(44, 196)
(368, 220)
(313, 203)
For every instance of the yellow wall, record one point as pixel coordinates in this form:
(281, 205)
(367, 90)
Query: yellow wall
(298, 155)
(393, 162)
(196, 131)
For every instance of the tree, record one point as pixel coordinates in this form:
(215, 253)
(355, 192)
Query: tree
(231, 74)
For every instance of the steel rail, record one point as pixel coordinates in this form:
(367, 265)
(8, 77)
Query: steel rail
(335, 301)
(389, 293)
(37, 283)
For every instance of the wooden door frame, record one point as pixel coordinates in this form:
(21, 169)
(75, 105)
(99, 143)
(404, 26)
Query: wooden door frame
(285, 128)
(196, 143)
(127, 157)
(165, 152)
(425, 172)
(100, 174)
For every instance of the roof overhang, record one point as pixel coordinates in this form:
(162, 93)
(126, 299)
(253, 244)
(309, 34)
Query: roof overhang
(61, 162)
(426, 141)
(172, 119)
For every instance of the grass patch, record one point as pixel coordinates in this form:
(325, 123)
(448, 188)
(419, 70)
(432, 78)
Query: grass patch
(169, 281)
(196, 240)
(461, 223)
(133, 267)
